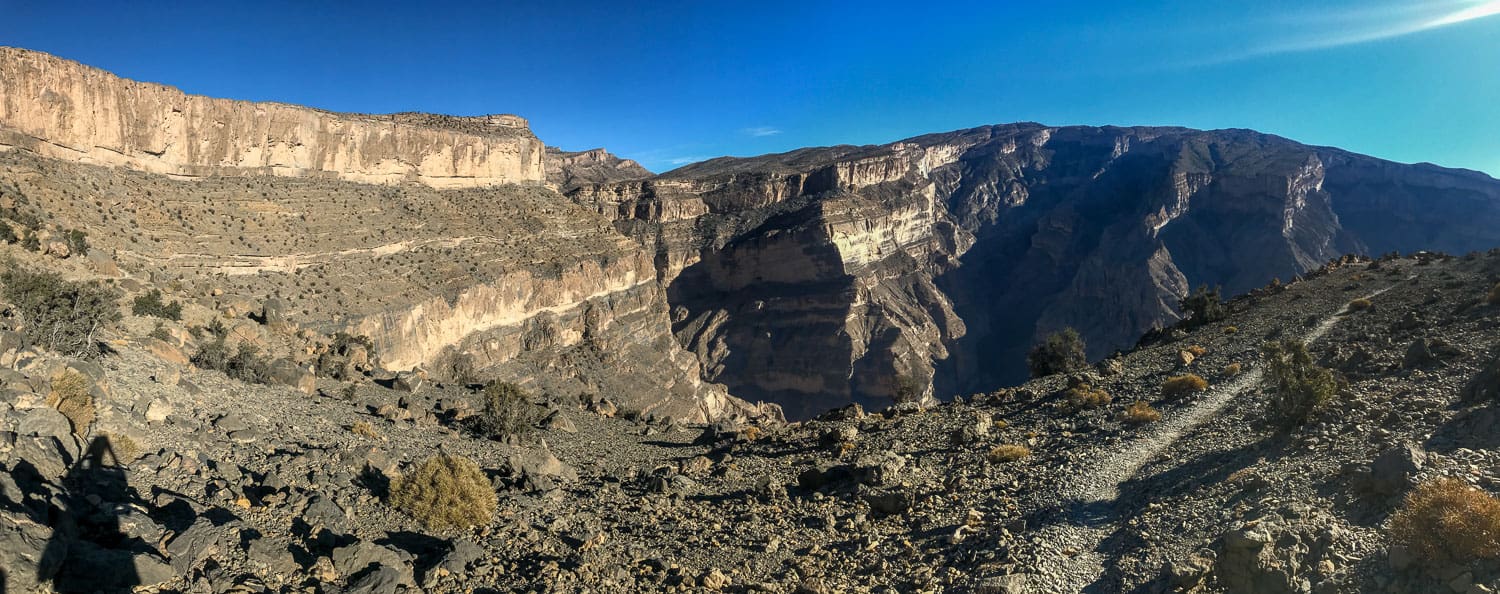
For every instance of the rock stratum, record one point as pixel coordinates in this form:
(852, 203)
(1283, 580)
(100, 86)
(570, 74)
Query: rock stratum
(63, 109)
(927, 267)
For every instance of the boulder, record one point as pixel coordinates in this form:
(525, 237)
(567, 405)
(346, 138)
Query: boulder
(1392, 472)
(286, 372)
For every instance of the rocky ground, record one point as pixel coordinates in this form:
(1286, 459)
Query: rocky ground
(191, 481)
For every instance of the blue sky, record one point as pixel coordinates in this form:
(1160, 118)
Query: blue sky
(672, 82)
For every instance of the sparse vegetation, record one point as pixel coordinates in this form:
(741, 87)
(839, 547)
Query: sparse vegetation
(70, 396)
(364, 429)
(1232, 369)
(1140, 413)
(1494, 296)
(125, 449)
(161, 333)
(1196, 350)
(1298, 385)
(1060, 352)
(1446, 520)
(445, 491)
(1009, 452)
(1183, 385)
(507, 411)
(1360, 305)
(244, 363)
(1203, 307)
(57, 314)
(78, 242)
(151, 304)
(1231, 330)
(1083, 396)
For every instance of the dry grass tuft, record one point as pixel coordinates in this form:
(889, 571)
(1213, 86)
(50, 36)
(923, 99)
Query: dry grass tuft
(1360, 305)
(1494, 296)
(1140, 413)
(1197, 351)
(1085, 396)
(1231, 330)
(1009, 452)
(1183, 385)
(1447, 520)
(70, 396)
(364, 429)
(445, 491)
(1232, 369)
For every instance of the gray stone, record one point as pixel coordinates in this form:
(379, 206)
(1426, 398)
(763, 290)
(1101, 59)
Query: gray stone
(192, 546)
(1392, 471)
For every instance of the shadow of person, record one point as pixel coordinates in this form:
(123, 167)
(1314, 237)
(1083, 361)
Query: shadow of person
(88, 547)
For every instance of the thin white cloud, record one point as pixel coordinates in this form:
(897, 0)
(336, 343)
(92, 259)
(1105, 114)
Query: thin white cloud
(759, 131)
(1326, 30)
(685, 160)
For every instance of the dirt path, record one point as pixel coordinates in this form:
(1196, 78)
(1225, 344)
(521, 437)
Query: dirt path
(1090, 515)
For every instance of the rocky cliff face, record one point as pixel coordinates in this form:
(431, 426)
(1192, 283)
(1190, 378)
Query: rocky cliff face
(570, 169)
(928, 266)
(62, 109)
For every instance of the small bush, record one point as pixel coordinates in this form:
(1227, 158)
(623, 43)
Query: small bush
(1231, 330)
(125, 449)
(506, 411)
(60, 315)
(7, 234)
(364, 429)
(70, 396)
(1494, 296)
(1446, 520)
(1299, 386)
(445, 491)
(1196, 350)
(1203, 307)
(1139, 412)
(161, 333)
(245, 363)
(1183, 385)
(1009, 452)
(1360, 305)
(1060, 352)
(1232, 369)
(1084, 396)
(78, 242)
(150, 304)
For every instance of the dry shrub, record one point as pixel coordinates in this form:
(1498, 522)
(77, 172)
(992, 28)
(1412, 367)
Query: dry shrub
(1447, 520)
(1183, 385)
(1197, 351)
(1084, 396)
(364, 429)
(125, 449)
(1494, 296)
(1232, 369)
(445, 491)
(1231, 330)
(1140, 413)
(1360, 305)
(1009, 452)
(70, 396)
(507, 411)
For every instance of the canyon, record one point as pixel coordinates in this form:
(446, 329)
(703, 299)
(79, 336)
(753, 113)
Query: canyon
(911, 271)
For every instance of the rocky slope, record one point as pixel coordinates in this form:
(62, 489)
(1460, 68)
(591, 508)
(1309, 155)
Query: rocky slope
(288, 495)
(570, 169)
(63, 109)
(928, 266)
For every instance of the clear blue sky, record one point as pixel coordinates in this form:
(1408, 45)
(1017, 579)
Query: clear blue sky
(671, 82)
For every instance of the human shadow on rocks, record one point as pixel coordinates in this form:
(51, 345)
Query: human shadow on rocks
(1477, 428)
(89, 547)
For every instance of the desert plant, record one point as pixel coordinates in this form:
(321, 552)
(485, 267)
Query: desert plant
(78, 242)
(1360, 304)
(1494, 297)
(1232, 369)
(1183, 385)
(71, 396)
(7, 234)
(1231, 330)
(1139, 412)
(1009, 452)
(1446, 520)
(1196, 350)
(445, 491)
(1060, 352)
(1299, 386)
(151, 304)
(507, 411)
(161, 333)
(1082, 396)
(60, 315)
(364, 429)
(1204, 306)
(244, 363)
(125, 449)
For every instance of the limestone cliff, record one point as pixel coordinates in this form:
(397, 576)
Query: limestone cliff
(63, 109)
(828, 275)
(570, 169)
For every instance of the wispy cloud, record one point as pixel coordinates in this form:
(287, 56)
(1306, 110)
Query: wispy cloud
(759, 131)
(685, 160)
(1311, 31)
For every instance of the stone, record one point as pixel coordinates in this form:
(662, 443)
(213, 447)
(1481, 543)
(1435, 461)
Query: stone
(382, 580)
(557, 422)
(1006, 584)
(158, 410)
(1392, 472)
(285, 372)
(409, 381)
(540, 462)
(46, 422)
(193, 545)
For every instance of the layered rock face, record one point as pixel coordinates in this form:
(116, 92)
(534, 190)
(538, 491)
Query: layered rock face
(63, 109)
(928, 266)
(570, 169)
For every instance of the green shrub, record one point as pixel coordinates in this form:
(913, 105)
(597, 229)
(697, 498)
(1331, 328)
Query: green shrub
(31, 242)
(1060, 352)
(245, 363)
(445, 491)
(506, 411)
(7, 234)
(78, 242)
(60, 315)
(1183, 385)
(1298, 385)
(150, 304)
(161, 333)
(1203, 307)
(1447, 521)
